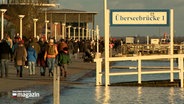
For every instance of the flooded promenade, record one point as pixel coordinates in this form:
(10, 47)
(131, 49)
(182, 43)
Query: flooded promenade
(37, 83)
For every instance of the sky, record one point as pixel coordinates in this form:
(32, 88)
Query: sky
(97, 6)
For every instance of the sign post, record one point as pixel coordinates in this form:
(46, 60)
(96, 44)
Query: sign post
(136, 18)
(106, 30)
(172, 45)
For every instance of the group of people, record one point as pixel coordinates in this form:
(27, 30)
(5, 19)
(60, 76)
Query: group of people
(44, 54)
(33, 53)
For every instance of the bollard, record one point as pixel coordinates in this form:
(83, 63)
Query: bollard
(98, 61)
(56, 86)
(139, 70)
(180, 62)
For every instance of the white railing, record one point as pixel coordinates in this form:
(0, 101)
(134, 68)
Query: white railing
(139, 71)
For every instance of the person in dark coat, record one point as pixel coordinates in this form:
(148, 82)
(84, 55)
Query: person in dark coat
(63, 61)
(41, 61)
(36, 45)
(5, 54)
(62, 44)
(20, 56)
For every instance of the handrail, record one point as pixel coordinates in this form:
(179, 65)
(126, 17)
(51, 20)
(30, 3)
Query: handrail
(139, 72)
(148, 57)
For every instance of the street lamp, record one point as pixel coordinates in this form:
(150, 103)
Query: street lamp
(21, 17)
(2, 22)
(97, 37)
(69, 31)
(55, 30)
(35, 20)
(86, 33)
(46, 22)
(92, 34)
(74, 28)
(82, 33)
(63, 30)
(79, 33)
(89, 34)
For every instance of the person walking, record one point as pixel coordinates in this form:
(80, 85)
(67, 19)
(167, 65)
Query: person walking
(31, 58)
(5, 54)
(9, 41)
(15, 45)
(62, 44)
(20, 56)
(50, 55)
(76, 48)
(63, 61)
(70, 48)
(41, 61)
(36, 45)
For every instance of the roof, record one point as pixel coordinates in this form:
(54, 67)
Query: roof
(69, 15)
(65, 11)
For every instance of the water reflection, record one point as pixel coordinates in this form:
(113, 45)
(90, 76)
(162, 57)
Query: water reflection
(102, 94)
(99, 93)
(139, 95)
(106, 95)
(181, 94)
(171, 95)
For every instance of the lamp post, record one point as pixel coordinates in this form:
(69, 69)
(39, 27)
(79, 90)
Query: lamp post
(69, 31)
(46, 23)
(97, 37)
(63, 30)
(89, 34)
(74, 32)
(21, 17)
(2, 22)
(55, 30)
(79, 33)
(82, 33)
(92, 34)
(86, 33)
(35, 20)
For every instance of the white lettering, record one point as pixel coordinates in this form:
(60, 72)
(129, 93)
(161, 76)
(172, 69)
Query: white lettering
(25, 94)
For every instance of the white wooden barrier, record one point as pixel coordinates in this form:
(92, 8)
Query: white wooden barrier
(98, 71)
(56, 85)
(139, 72)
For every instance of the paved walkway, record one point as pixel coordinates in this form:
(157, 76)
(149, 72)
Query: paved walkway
(76, 69)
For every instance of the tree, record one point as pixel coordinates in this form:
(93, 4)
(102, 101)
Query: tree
(30, 11)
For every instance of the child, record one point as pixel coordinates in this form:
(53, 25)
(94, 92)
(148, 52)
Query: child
(63, 61)
(32, 57)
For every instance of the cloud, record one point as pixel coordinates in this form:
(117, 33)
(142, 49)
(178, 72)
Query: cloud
(124, 4)
(87, 5)
(97, 6)
(71, 5)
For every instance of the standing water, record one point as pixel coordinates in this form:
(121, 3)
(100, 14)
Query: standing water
(86, 92)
